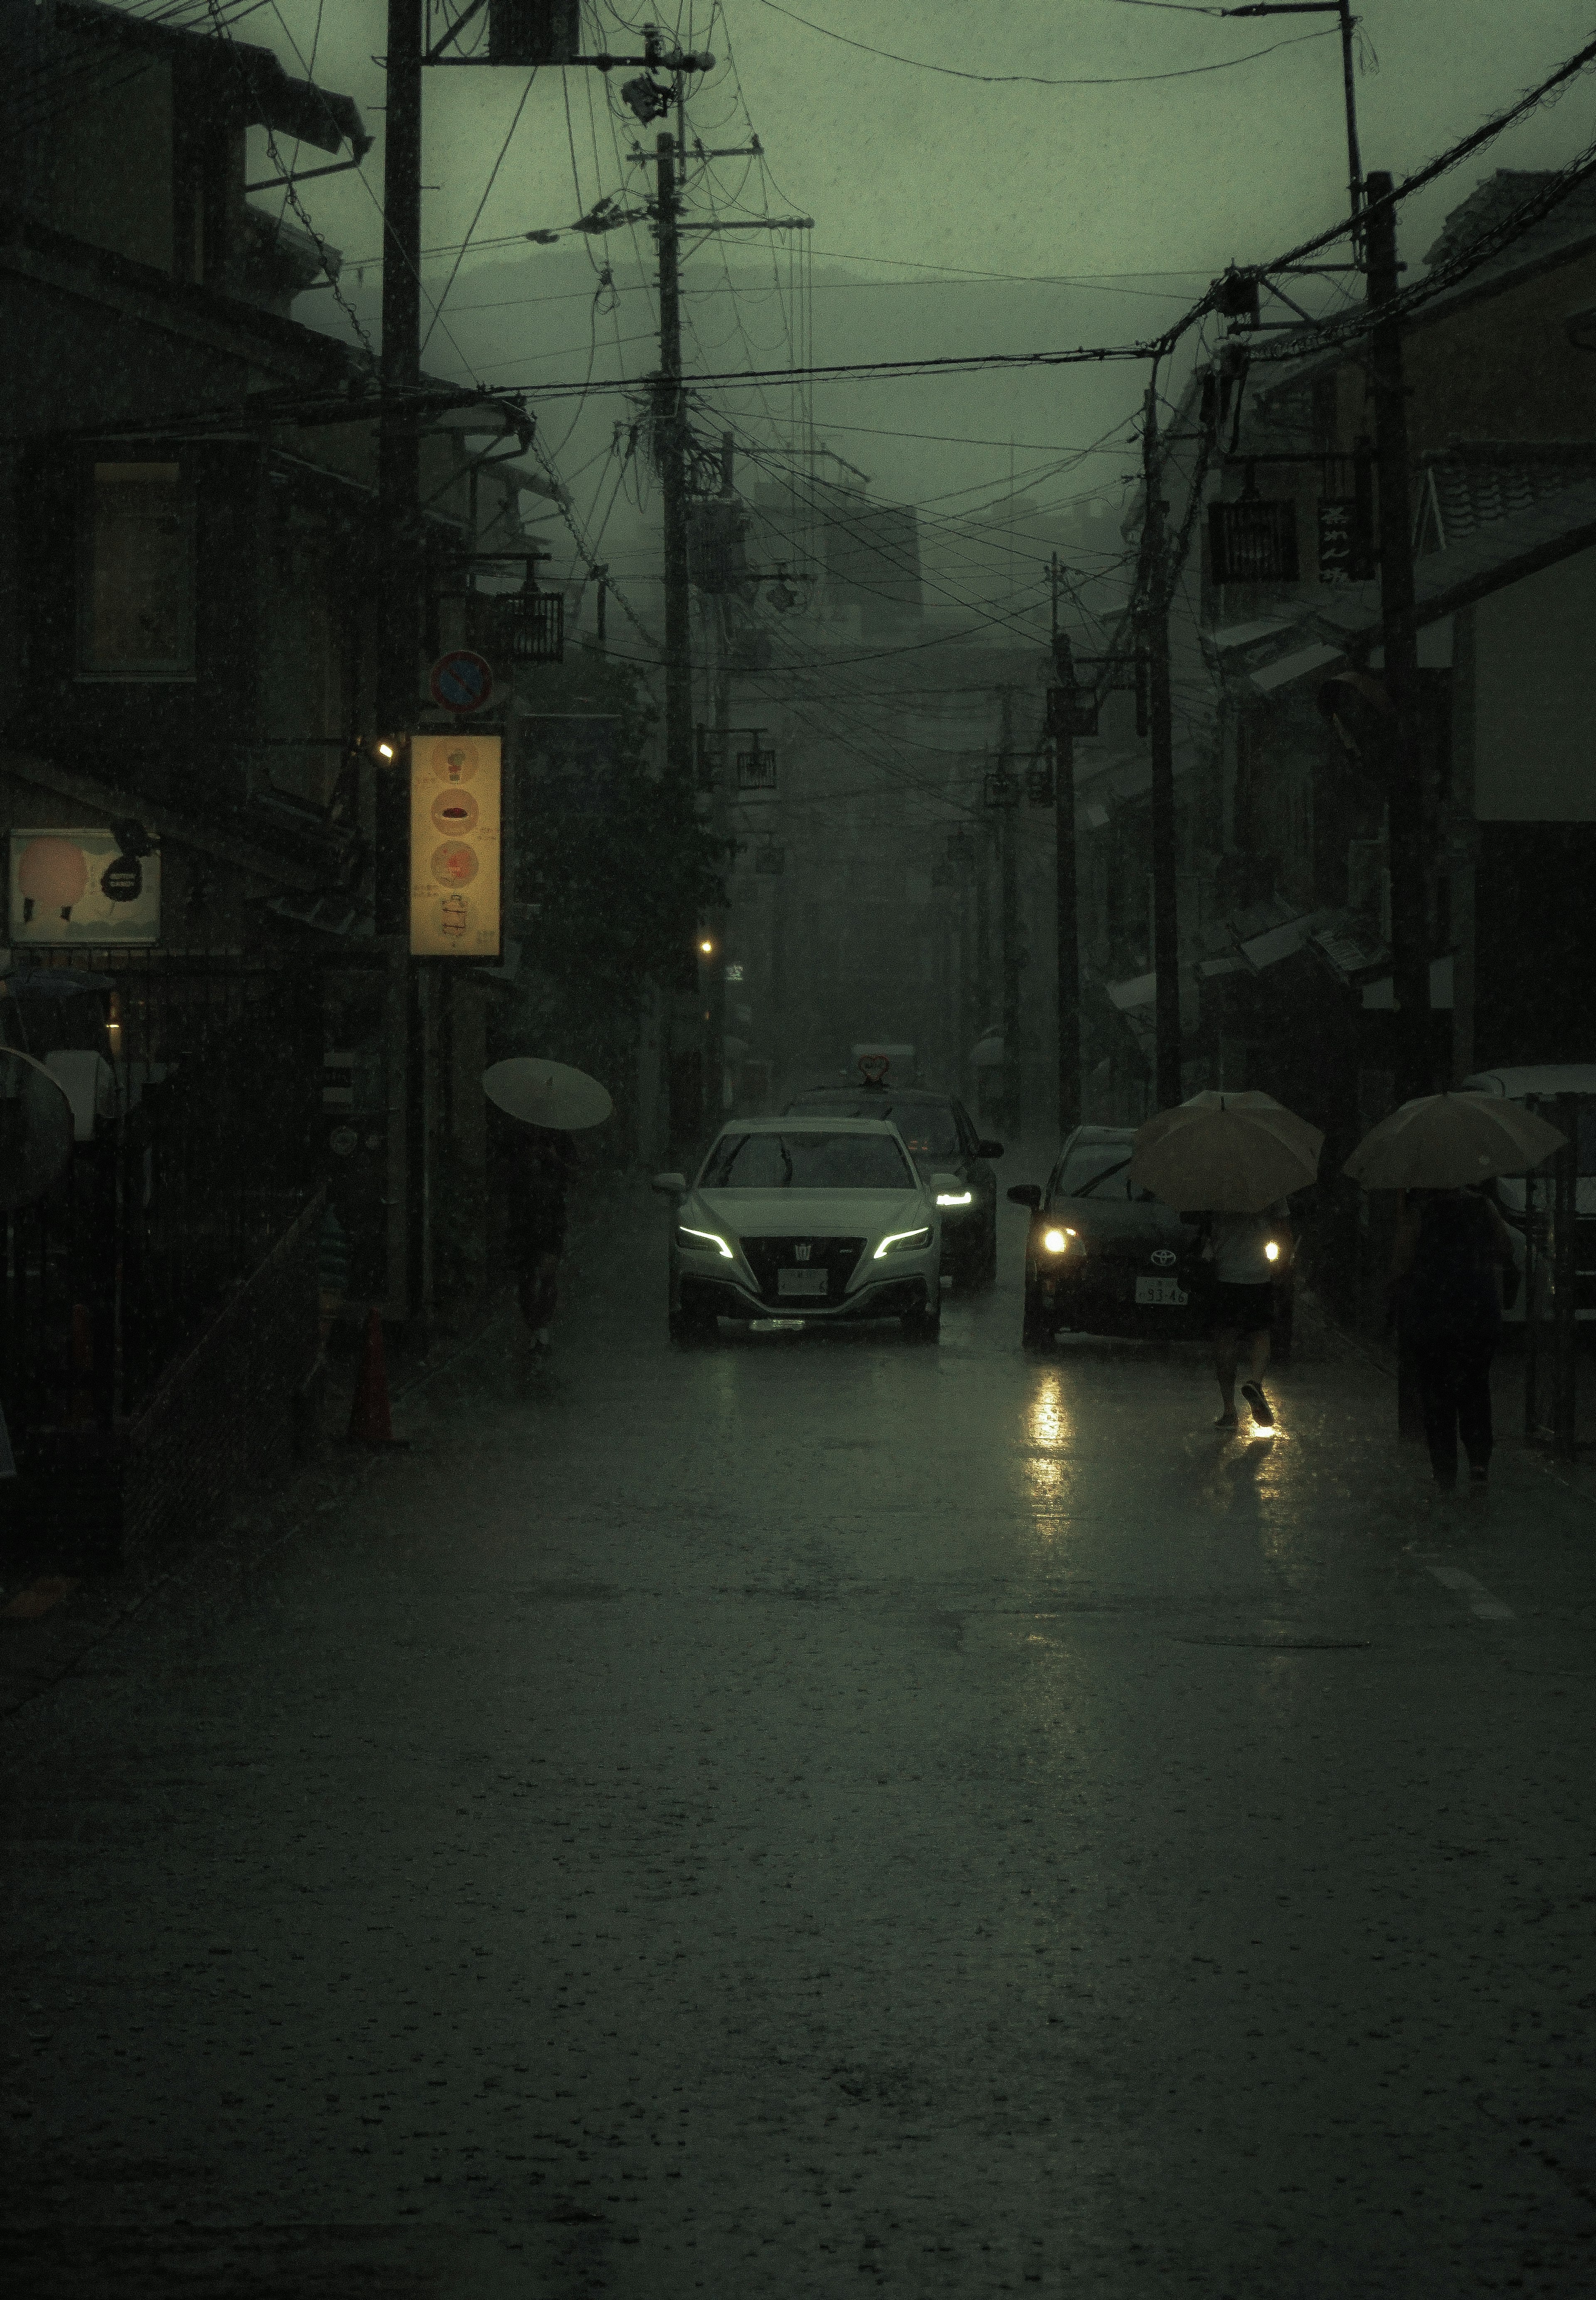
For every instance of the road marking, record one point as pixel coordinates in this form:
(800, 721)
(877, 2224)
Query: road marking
(1480, 1599)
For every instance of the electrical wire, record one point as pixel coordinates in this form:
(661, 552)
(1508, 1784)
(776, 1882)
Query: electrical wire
(1036, 79)
(477, 218)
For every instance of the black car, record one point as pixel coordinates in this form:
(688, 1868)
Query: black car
(940, 1134)
(1104, 1258)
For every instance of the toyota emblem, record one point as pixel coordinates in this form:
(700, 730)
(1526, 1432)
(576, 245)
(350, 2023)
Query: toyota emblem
(1164, 1257)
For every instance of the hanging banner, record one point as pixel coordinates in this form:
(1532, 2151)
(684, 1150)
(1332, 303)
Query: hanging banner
(455, 846)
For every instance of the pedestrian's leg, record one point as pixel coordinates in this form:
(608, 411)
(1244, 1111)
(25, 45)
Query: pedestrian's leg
(1435, 1365)
(1257, 1354)
(1227, 1353)
(1474, 1405)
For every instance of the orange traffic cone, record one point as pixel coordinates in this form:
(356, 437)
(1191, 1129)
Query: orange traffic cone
(369, 1420)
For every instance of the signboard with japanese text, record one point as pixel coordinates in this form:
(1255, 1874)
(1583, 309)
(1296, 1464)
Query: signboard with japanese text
(455, 845)
(89, 888)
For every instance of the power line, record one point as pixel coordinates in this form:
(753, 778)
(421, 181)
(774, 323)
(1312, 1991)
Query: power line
(481, 203)
(1036, 79)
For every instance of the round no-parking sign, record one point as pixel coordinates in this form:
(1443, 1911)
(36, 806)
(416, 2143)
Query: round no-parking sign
(461, 681)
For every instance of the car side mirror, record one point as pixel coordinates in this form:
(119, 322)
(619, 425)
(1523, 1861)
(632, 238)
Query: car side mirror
(1026, 1194)
(988, 1149)
(671, 1185)
(949, 1182)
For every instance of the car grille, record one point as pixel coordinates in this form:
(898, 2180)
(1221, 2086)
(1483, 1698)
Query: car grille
(836, 1256)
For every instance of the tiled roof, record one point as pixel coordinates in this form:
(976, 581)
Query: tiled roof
(1494, 199)
(1470, 486)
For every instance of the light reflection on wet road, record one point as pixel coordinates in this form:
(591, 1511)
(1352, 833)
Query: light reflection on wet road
(734, 1820)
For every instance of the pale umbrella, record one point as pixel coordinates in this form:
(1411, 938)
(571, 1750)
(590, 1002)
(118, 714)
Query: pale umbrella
(547, 1094)
(1233, 1154)
(1445, 1141)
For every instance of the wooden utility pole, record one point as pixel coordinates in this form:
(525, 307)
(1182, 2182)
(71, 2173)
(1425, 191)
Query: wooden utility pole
(1409, 890)
(1067, 892)
(1166, 956)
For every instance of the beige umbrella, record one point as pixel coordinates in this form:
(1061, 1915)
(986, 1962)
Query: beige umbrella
(1444, 1141)
(547, 1094)
(1233, 1154)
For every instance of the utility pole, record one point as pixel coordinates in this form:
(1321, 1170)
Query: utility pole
(670, 448)
(720, 823)
(1166, 990)
(399, 453)
(1008, 861)
(1067, 892)
(1409, 929)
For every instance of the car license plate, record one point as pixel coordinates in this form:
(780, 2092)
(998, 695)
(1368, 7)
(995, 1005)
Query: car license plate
(815, 1283)
(1162, 1293)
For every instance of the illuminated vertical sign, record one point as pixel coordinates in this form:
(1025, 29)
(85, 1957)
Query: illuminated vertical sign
(455, 846)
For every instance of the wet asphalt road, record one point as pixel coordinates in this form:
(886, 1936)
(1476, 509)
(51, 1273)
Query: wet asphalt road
(812, 1810)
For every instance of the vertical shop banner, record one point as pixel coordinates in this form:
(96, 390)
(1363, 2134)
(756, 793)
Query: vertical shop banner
(455, 847)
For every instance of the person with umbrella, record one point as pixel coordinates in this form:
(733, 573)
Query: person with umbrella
(1450, 1248)
(1234, 1157)
(551, 1101)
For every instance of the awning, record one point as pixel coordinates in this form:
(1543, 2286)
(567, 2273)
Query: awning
(1288, 667)
(1380, 996)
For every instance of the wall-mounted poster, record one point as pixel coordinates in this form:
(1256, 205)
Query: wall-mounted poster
(455, 846)
(95, 886)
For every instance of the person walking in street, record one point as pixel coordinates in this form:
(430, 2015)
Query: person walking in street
(1248, 1253)
(1450, 1251)
(543, 1163)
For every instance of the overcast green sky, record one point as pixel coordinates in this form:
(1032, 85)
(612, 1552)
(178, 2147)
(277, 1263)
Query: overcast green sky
(1129, 195)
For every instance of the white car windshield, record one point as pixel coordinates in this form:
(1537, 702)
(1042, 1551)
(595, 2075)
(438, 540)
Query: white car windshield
(806, 1161)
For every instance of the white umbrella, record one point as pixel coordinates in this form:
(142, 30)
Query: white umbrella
(547, 1094)
(1224, 1153)
(1445, 1141)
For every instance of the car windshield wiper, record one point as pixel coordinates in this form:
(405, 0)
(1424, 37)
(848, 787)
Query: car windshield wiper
(1107, 1174)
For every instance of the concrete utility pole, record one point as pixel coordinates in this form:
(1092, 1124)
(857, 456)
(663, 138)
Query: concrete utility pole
(720, 823)
(1166, 956)
(399, 453)
(1009, 866)
(1409, 893)
(670, 449)
(1067, 892)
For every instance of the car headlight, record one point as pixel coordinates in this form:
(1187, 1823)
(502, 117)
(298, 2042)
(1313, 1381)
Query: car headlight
(903, 1241)
(955, 1198)
(1057, 1241)
(702, 1241)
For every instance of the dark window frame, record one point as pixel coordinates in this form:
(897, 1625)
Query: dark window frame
(181, 670)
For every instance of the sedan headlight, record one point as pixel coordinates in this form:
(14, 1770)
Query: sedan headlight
(955, 1198)
(1057, 1241)
(903, 1241)
(702, 1241)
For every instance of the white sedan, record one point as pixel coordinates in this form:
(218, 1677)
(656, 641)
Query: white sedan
(806, 1221)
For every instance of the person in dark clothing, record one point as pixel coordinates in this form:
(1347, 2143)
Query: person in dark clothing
(1451, 1246)
(543, 1162)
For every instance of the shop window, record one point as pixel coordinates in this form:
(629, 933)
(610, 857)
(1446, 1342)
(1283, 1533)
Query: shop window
(135, 580)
